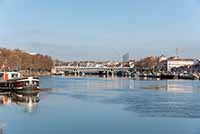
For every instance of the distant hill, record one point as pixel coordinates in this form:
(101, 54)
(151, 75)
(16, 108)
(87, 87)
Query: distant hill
(20, 60)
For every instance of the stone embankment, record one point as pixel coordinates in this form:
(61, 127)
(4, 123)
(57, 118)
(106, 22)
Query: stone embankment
(27, 73)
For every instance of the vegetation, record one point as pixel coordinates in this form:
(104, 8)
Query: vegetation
(20, 60)
(148, 62)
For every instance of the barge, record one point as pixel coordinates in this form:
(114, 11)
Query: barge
(13, 81)
(168, 76)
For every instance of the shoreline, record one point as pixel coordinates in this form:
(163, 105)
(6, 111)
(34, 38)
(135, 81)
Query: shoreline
(123, 77)
(46, 73)
(27, 73)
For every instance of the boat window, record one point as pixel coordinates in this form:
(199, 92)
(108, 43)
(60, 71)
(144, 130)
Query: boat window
(14, 76)
(1, 75)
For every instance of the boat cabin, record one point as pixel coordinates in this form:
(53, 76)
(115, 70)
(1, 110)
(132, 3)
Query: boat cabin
(9, 75)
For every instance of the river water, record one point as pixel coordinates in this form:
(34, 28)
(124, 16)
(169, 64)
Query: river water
(104, 106)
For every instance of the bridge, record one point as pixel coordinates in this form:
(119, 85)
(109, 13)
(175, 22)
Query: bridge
(90, 70)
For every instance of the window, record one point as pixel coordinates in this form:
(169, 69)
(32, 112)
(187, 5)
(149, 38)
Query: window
(14, 76)
(1, 75)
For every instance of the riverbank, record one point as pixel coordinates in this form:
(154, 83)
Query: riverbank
(142, 76)
(28, 73)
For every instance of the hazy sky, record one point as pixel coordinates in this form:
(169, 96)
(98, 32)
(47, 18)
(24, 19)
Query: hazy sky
(101, 29)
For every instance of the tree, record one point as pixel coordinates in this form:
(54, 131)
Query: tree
(17, 59)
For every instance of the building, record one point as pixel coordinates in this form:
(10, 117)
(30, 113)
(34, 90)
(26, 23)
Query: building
(31, 53)
(196, 67)
(132, 63)
(175, 62)
(162, 58)
(125, 57)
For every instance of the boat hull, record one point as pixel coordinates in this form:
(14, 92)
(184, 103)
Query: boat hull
(21, 84)
(167, 76)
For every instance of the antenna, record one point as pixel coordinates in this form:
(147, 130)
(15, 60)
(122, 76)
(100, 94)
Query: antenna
(177, 52)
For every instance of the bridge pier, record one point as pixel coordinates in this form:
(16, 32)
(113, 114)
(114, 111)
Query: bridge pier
(82, 73)
(129, 73)
(107, 73)
(110, 73)
(113, 73)
(76, 73)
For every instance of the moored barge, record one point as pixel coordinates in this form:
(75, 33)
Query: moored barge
(14, 81)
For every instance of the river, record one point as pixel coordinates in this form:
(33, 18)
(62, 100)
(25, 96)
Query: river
(104, 105)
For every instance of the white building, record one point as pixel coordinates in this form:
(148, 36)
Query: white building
(162, 58)
(31, 53)
(178, 62)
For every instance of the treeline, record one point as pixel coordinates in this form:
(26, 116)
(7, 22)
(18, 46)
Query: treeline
(20, 60)
(148, 62)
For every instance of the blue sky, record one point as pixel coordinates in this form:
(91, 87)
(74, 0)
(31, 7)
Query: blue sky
(101, 29)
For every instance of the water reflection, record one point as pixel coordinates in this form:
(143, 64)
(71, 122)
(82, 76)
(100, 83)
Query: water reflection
(1, 128)
(27, 101)
(167, 98)
(81, 105)
(176, 86)
(152, 98)
(160, 105)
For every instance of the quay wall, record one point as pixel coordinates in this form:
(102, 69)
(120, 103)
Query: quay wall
(27, 73)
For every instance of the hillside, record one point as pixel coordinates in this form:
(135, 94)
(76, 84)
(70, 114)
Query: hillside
(20, 60)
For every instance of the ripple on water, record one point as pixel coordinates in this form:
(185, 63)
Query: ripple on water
(146, 98)
(161, 104)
